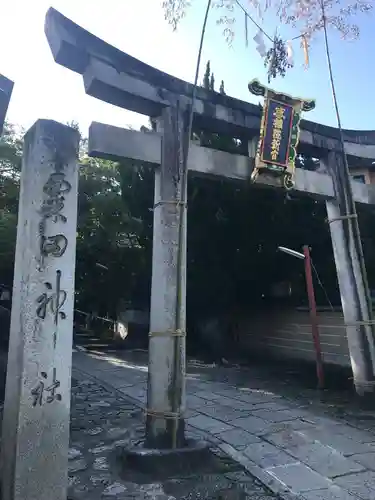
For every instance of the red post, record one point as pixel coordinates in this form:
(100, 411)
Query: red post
(313, 317)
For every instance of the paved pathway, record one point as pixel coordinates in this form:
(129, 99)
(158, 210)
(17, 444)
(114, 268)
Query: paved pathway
(103, 422)
(299, 450)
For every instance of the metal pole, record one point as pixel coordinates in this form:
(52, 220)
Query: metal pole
(313, 317)
(178, 373)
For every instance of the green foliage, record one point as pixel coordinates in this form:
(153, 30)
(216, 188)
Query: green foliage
(110, 234)
(10, 168)
(8, 230)
(206, 78)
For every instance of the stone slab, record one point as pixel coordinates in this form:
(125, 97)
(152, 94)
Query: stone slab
(289, 438)
(266, 455)
(274, 485)
(299, 478)
(223, 413)
(238, 437)
(135, 392)
(276, 416)
(332, 493)
(342, 443)
(208, 424)
(324, 421)
(194, 402)
(117, 382)
(266, 428)
(269, 406)
(359, 435)
(324, 460)
(253, 397)
(365, 459)
(265, 405)
(296, 425)
(250, 424)
(227, 402)
(211, 396)
(362, 484)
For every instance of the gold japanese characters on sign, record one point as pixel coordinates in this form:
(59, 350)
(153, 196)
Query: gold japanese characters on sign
(279, 132)
(278, 120)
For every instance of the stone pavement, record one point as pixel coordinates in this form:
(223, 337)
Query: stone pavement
(298, 449)
(103, 422)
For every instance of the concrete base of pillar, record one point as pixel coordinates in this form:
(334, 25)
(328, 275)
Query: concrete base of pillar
(171, 461)
(365, 387)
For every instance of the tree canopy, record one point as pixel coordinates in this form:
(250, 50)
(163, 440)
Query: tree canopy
(306, 17)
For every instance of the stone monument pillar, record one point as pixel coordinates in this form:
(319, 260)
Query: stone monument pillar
(35, 432)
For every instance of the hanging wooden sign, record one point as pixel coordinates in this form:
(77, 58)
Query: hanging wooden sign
(279, 132)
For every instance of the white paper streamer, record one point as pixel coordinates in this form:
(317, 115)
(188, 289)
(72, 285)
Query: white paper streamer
(261, 48)
(289, 52)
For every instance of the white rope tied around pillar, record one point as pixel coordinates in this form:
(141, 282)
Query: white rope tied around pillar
(171, 415)
(170, 202)
(342, 217)
(168, 333)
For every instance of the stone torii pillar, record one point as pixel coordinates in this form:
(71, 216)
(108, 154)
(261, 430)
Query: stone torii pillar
(166, 368)
(35, 431)
(356, 310)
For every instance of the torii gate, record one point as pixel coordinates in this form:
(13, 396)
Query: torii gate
(119, 79)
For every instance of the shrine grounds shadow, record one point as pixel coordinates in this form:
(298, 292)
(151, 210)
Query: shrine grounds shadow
(291, 379)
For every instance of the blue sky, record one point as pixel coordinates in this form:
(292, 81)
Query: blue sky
(45, 90)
